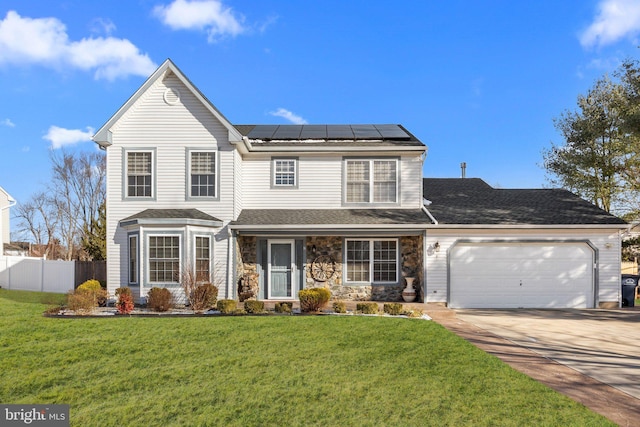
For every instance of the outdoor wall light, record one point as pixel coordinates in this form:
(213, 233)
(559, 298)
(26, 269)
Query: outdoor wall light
(313, 249)
(436, 246)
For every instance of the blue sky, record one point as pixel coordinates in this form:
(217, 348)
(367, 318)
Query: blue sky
(478, 82)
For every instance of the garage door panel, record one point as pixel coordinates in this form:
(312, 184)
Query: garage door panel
(512, 275)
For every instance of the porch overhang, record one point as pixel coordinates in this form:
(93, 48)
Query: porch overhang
(379, 222)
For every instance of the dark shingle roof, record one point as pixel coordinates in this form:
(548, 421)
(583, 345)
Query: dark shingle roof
(473, 201)
(159, 215)
(331, 217)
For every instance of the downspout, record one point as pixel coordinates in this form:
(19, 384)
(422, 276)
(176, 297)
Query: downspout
(425, 249)
(425, 210)
(424, 266)
(230, 263)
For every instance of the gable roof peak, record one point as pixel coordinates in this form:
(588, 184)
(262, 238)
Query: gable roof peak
(103, 136)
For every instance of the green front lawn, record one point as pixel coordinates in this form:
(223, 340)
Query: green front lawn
(266, 371)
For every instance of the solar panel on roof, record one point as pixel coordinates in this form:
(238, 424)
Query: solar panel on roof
(392, 132)
(366, 132)
(262, 132)
(313, 132)
(288, 132)
(339, 132)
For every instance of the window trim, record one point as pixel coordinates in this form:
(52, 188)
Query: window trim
(125, 173)
(372, 261)
(136, 270)
(148, 257)
(371, 161)
(216, 172)
(195, 257)
(296, 163)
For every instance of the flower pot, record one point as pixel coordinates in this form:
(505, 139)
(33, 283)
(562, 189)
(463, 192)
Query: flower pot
(408, 293)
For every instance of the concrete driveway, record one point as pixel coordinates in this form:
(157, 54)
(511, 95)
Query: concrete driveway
(602, 344)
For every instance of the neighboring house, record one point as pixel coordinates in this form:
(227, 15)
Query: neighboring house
(271, 209)
(6, 202)
(519, 248)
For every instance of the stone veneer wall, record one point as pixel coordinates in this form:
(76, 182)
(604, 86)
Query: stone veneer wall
(411, 258)
(411, 262)
(247, 264)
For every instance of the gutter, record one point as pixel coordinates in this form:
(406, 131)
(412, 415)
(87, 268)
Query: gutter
(528, 226)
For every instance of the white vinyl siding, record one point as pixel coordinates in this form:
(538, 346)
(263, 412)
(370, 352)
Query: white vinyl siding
(169, 132)
(371, 261)
(371, 181)
(321, 183)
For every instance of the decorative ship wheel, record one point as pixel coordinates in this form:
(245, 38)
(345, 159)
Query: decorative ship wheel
(323, 268)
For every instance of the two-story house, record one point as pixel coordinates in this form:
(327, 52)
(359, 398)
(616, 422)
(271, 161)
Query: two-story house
(265, 209)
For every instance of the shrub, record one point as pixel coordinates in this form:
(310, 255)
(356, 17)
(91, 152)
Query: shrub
(414, 312)
(81, 301)
(160, 299)
(125, 303)
(203, 297)
(90, 285)
(227, 306)
(95, 288)
(367, 308)
(313, 299)
(254, 307)
(393, 308)
(339, 307)
(283, 307)
(123, 290)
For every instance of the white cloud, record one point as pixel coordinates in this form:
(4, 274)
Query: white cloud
(102, 26)
(44, 41)
(286, 114)
(206, 15)
(616, 19)
(60, 137)
(8, 123)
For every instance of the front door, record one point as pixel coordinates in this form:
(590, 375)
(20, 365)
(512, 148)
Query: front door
(281, 267)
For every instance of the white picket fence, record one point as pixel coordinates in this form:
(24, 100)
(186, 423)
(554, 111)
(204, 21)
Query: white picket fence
(36, 274)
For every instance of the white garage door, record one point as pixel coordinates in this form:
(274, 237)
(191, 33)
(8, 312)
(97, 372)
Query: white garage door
(527, 275)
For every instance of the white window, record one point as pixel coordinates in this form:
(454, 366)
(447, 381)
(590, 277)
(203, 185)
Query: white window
(371, 181)
(203, 258)
(284, 172)
(133, 259)
(371, 261)
(139, 174)
(164, 259)
(202, 176)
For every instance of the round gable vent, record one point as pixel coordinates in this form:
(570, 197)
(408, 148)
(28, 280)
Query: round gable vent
(171, 96)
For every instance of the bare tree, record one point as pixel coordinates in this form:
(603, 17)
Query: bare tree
(69, 209)
(38, 220)
(78, 189)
